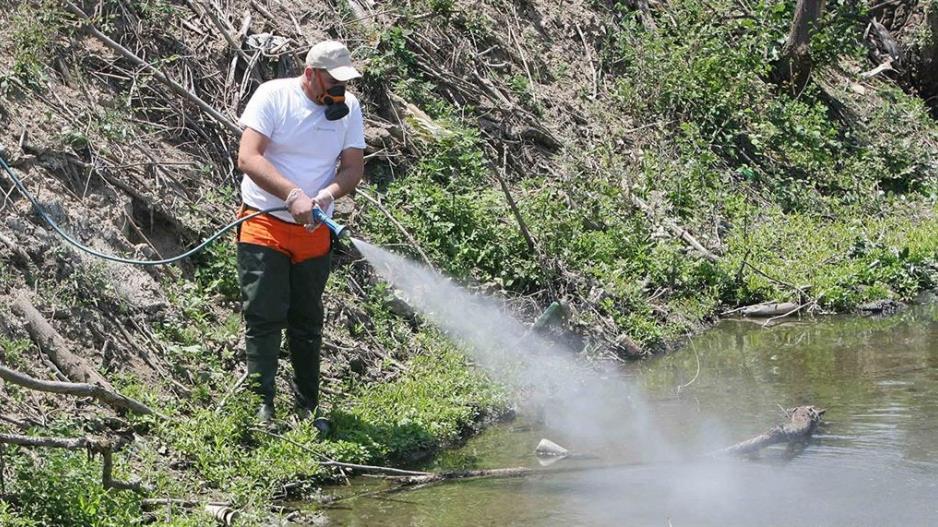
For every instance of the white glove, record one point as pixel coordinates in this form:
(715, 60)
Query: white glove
(324, 199)
(300, 206)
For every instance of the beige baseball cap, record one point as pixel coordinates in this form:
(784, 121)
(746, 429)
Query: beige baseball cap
(333, 57)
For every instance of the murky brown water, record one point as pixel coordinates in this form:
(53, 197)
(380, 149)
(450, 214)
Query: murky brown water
(874, 462)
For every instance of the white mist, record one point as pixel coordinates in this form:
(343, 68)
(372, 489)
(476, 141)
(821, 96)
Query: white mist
(589, 409)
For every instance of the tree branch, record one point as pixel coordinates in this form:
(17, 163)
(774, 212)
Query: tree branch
(175, 86)
(113, 399)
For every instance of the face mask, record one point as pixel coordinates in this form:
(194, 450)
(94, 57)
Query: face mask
(333, 99)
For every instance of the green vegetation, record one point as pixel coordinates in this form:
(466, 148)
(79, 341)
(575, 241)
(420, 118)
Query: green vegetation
(13, 351)
(224, 452)
(65, 490)
(450, 205)
(806, 188)
(35, 30)
(826, 197)
(211, 440)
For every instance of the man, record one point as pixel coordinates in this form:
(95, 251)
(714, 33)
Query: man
(295, 130)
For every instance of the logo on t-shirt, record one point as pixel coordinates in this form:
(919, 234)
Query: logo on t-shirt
(321, 128)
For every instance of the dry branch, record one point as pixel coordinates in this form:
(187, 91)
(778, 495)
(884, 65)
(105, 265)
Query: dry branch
(94, 445)
(885, 66)
(326, 462)
(159, 75)
(676, 229)
(410, 238)
(108, 397)
(68, 443)
(53, 345)
(224, 27)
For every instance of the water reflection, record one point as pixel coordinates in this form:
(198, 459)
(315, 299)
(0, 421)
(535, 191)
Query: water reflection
(875, 462)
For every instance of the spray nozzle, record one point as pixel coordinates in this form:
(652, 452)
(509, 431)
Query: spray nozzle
(321, 217)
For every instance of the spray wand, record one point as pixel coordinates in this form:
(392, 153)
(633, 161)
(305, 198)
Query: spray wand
(320, 217)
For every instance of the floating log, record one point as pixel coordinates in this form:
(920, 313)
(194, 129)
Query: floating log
(802, 422)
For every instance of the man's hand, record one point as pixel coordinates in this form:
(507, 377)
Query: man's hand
(324, 199)
(300, 206)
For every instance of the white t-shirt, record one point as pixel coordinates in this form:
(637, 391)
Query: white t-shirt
(304, 145)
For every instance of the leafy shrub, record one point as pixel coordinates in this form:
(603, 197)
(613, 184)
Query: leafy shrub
(64, 489)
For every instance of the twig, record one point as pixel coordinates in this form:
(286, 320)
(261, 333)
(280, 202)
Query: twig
(68, 443)
(532, 246)
(524, 60)
(233, 389)
(326, 462)
(22, 425)
(589, 57)
(885, 66)
(783, 315)
(677, 230)
(3, 467)
(263, 11)
(696, 356)
(397, 224)
(773, 279)
(220, 26)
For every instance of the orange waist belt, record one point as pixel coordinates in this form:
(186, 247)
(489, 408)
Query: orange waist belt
(292, 239)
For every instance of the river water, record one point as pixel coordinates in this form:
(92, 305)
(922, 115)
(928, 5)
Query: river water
(874, 460)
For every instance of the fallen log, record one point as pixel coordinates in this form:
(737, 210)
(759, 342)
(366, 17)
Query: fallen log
(769, 309)
(55, 347)
(802, 422)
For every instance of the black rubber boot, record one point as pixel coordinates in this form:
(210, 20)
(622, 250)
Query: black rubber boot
(304, 328)
(265, 414)
(265, 297)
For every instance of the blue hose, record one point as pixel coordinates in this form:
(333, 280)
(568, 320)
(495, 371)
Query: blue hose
(45, 216)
